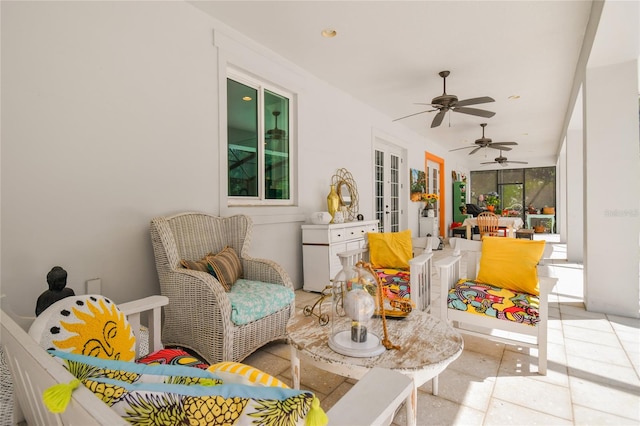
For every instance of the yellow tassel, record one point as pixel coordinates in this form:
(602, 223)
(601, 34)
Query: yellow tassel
(57, 397)
(316, 415)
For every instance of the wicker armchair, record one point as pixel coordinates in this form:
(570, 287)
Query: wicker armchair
(198, 316)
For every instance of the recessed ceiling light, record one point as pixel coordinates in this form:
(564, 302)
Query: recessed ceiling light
(247, 98)
(512, 97)
(329, 33)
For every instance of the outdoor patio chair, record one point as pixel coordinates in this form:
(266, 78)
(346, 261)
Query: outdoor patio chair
(223, 303)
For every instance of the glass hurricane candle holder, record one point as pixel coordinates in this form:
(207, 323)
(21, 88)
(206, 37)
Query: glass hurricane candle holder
(354, 299)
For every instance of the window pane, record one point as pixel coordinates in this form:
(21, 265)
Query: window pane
(540, 187)
(482, 183)
(276, 141)
(242, 131)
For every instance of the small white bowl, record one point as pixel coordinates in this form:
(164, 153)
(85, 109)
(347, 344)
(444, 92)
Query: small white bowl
(320, 218)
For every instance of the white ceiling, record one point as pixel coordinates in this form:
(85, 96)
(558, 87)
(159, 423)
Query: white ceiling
(388, 54)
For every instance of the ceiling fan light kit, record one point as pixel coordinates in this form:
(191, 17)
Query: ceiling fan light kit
(445, 103)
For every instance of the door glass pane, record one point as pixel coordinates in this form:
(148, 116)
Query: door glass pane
(276, 146)
(379, 183)
(394, 182)
(242, 143)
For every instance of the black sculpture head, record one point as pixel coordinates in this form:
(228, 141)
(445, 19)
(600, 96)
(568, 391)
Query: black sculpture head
(57, 278)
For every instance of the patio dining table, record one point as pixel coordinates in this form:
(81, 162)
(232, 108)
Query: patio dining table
(511, 223)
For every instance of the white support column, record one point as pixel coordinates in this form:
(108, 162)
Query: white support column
(612, 189)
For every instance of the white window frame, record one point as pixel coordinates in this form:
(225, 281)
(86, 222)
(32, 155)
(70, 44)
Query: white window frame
(261, 85)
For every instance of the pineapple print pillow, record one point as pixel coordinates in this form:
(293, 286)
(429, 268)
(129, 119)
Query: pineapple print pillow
(169, 394)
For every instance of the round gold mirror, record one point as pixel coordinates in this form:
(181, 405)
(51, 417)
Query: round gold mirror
(347, 192)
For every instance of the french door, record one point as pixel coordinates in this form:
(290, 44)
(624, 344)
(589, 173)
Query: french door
(388, 171)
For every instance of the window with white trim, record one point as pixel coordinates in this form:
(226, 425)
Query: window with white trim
(259, 142)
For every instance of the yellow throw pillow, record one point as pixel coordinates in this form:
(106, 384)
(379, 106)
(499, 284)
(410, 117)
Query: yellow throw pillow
(390, 249)
(511, 263)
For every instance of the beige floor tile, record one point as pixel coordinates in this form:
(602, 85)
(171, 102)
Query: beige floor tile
(476, 364)
(328, 401)
(596, 351)
(267, 362)
(608, 338)
(521, 364)
(281, 349)
(571, 312)
(483, 346)
(433, 410)
(315, 379)
(505, 413)
(589, 416)
(619, 402)
(463, 389)
(526, 392)
(604, 372)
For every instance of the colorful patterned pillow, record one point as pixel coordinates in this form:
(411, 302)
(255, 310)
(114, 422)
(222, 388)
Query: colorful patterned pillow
(495, 302)
(173, 356)
(226, 266)
(87, 325)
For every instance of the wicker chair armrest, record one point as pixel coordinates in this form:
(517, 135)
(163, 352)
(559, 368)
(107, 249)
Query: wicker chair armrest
(266, 271)
(211, 283)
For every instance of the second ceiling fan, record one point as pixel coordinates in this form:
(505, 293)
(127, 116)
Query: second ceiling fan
(504, 161)
(444, 103)
(486, 143)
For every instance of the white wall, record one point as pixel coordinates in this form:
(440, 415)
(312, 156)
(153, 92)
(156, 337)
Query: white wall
(110, 116)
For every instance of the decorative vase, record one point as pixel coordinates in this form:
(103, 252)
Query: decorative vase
(491, 208)
(333, 202)
(431, 212)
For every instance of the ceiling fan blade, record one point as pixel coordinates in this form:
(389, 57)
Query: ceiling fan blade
(475, 150)
(504, 143)
(488, 162)
(503, 148)
(464, 147)
(475, 101)
(475, 111)
(437, 120)
(410, 115)
(519, 162)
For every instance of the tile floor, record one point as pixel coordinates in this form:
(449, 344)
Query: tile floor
(593, 373)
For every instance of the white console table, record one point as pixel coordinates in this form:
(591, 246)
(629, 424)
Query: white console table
(322, 243)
